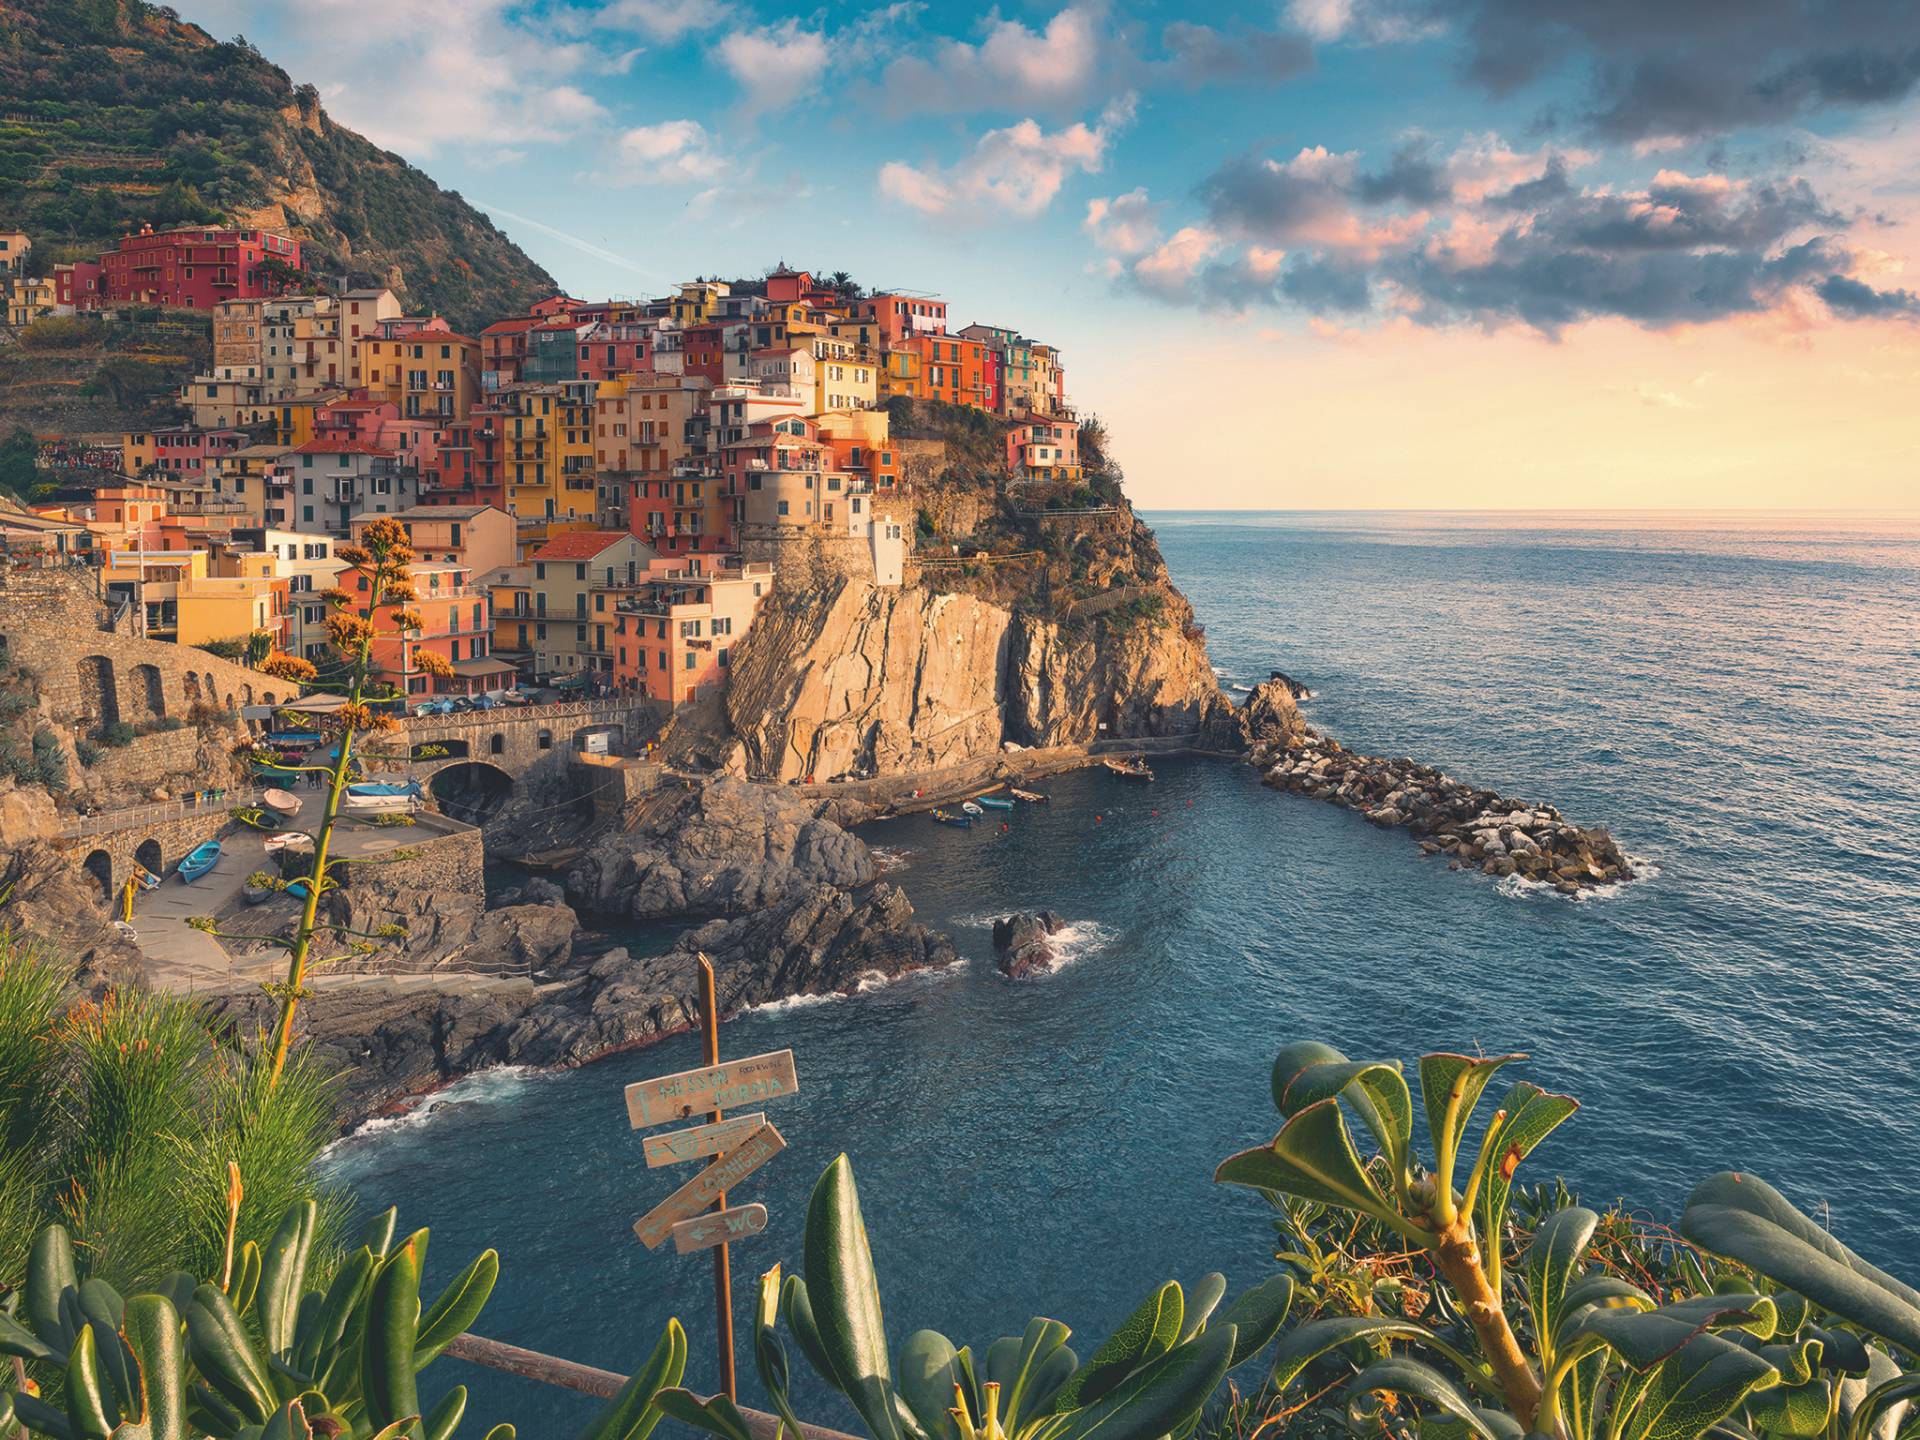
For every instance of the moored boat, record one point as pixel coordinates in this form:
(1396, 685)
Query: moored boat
(382, 797)
(282, 802)
(972, 809)
(1030, 797)
(1134, 767)
(947, 817)
(202, 858)
(288, 840)
(995, 802)
(145, 878)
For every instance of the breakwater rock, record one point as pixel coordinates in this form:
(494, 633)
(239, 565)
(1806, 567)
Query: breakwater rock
(1473, 828)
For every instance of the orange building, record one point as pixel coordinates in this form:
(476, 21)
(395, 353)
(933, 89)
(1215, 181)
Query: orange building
(456, 623)
(954, 369)
(674, 633)
(423, 368)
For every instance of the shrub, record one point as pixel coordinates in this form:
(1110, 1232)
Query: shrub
(50, 761)
(232, 648)
(87, 751)
(59, 332)
(117, 734)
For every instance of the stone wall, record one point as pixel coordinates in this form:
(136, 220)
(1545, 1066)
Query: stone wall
(50, 622)
(109, 859)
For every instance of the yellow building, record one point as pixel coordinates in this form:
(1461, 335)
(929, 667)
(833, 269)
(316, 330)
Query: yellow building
(844, 377)
(30, 300)
(221, 607)
(698, 301)
(901, 374)
(426, 372)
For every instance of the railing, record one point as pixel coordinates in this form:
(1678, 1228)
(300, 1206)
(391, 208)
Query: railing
(159, 813)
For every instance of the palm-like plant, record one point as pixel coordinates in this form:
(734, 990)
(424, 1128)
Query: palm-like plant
(1562, 1348)
(1151, 1378)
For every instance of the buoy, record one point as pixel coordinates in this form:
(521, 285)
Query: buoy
(1096, 819)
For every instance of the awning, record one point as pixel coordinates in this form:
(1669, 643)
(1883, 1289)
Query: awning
(484, 665)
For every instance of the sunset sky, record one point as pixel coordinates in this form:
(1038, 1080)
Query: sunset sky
(1325, 253)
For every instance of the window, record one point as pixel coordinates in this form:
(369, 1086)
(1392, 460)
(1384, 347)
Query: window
(540, 571)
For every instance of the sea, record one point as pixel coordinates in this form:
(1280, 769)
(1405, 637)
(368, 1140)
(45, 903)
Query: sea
(1735, 696)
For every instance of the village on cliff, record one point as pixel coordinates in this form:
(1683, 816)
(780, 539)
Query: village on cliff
(599, 493)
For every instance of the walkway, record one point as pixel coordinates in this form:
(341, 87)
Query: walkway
(141, 817)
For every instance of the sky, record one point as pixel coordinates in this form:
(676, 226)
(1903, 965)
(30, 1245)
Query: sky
(1298, 254)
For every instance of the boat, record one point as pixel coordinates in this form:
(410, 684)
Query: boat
(1030, 797)
(202, 858)
(382, 797)
(947, 817)
(282, 802)
(288, 840)
(972, 809)
(1132, 768)
(995, 802)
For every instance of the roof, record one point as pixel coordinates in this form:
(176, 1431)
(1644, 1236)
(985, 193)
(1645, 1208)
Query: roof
(580, 544)
(513, 323)
(485, 665)
(340, 447)
(424, 337)
(443, 512)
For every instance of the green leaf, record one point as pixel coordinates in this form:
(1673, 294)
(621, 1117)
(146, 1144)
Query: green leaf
(798, 1308)
(289, 1422)
(1451, 1086)
(151, 1328)
(458, 1306)
(1313, 1158)
(223, 1354)
(1696, 1388)
(378, 1236)
(1531, 1114)
(500, 1432)
(1154, 1400)
(1257, 1315)
(246, 1278)
(16, 1339)
(324, 1352)
(846, 1298)
(1800, 1410)
(1415, 1381)
(41, 1418)
(632, 1414)
(717, 1416)
(1853, 1396)
(769, 1355)
(50, 1274)
(1308, 1342)
(1552, 1264)
(90, 1403)
(1309, 1071)
(1645, 1338)
(283, 1273)
(445, 1417)
(1883, 1409)
(1201, 1302)
(926, 1381)
(1745, 1219)
(1043, 1340)
(386, 1345)
(1142, 1335)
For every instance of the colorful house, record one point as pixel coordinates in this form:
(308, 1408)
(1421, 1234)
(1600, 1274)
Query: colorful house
(456, 623)
(422, 367)
(1046, 447)
(570, 635)
(674, 633)
(481, 538)
(197, 266)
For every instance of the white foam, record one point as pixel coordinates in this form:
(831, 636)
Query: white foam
(1243, 689)
(888, 858)
(1519, 887)
(866, 984)
(1075, 941)
(483, 1087)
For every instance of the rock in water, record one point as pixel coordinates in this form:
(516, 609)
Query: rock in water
(1021, 945)
(1270, 715)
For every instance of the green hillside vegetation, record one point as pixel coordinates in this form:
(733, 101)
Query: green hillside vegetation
(116, 112)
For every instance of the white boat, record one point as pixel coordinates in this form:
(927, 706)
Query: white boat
(288, 840)
(972, 809)
(382, 798)
(1133, 768)
(282, 802)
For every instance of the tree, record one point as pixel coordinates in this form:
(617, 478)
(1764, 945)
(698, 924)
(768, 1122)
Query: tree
(19, 452)
(380, 569)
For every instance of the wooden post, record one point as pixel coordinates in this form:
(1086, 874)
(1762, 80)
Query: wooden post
(722, 1265)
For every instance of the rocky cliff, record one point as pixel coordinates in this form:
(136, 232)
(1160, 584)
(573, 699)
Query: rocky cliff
(845, 678)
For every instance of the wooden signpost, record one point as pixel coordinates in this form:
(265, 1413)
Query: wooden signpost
(696, 1217)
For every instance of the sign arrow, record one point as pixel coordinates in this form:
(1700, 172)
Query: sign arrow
(706, 1187)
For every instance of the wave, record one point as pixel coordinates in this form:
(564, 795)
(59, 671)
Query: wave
(1243, 689)
(866, 984)
(483, 1087)
(1519, 887)
(1075, 941)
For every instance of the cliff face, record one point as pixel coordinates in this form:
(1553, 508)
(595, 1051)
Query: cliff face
(851, 679)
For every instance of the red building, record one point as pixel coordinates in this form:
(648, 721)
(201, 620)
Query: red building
(197, 267)
(78, 284)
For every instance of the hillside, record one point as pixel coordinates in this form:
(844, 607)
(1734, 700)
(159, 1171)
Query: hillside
(113, 112)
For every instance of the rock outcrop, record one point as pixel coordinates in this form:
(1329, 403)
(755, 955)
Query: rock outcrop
(390, 1042)
(719, 848)
(51, 903)
(1021, 943)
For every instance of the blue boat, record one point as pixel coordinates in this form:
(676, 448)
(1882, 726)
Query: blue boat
(200, 860)
(385, 787)
(994, 802)
(947, 817)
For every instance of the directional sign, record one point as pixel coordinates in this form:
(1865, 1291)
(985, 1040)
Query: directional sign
(752, 1081)
(706, 1187)
(720, 1227)
(697, 1140)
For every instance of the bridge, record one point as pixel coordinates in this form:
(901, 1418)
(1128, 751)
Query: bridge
(514, 739)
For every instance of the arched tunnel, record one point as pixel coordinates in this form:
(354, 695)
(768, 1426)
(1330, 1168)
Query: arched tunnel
(474, 792)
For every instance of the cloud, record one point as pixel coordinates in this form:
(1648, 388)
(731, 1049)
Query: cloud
(1657, 69)
(1412, 174)
(1128, 224)
(1171, 266)
(673, 152)
(1199, 55)
(776, 65)
(1858, 299)
(664, 20)
(476, 71)
(1018, 170)
(1055, 69)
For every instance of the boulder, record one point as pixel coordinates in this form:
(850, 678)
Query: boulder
(1020, 943)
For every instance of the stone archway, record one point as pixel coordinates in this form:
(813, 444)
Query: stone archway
(149, 692)
(190, 682)
(471, 790)
(99, 695)
(544, 739)
(497, 745)
(149, 855)
(99, 865)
